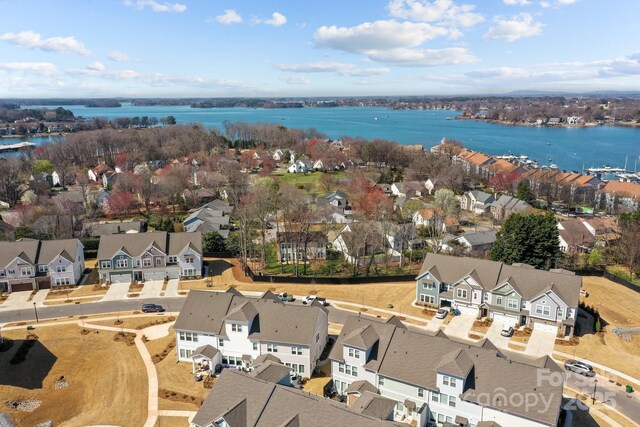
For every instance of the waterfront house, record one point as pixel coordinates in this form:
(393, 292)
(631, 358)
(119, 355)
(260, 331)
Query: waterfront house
(28, 265)
(575, 237)
(438, 381)
(512, 294)
(237, 331)
(123, 258)
(619, 196)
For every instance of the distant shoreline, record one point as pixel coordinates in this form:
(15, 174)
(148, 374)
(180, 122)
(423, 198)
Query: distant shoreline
(543, 125)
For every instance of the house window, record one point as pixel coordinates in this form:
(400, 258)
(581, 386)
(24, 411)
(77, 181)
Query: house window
(188, 259)
(296, 350)
(188, 336)
(512, 303)
(429, 286)
(220, 342)
(146, 262)
(498, 300)
(452, 382)
(121, 263)
(236, 328)
(544, 310)
(185, 354)
(341, 367)
(486, 297)
(173, 259)
(189, 272)
(255, 346)
(105, 264)
(301, 369)
(429, 299)
(43, 268)
(11, 271)
(452, 401)
(461, 293)
(62, 281)
(26, 271)
(435, 397)
(272, 348)
(158, 261)
(61, 268)
(380, 382)
(420, 392)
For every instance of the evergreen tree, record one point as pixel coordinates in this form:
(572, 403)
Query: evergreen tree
(528, 238)
(523, 192)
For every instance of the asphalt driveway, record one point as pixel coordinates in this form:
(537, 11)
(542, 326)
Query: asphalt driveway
(460, 326)
(540, 344)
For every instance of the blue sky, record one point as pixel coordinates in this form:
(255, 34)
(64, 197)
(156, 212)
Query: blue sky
(209, 48)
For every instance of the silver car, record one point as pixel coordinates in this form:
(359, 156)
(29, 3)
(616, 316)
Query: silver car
(579, 368)
(442, 313)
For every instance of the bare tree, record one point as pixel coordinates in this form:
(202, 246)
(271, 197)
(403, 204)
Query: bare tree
(10, 180)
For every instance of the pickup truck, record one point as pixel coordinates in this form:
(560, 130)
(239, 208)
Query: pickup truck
(285, 297)
(309, 299)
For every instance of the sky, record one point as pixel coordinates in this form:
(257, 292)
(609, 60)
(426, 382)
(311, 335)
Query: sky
(287, 48)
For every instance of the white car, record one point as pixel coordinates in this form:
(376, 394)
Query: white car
(309, 299)
(442, 313)
(507, 331)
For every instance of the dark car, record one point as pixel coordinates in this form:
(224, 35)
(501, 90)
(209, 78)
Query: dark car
(152, 308)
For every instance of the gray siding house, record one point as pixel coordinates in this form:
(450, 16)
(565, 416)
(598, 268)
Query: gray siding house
(123, 258)
(512, 294)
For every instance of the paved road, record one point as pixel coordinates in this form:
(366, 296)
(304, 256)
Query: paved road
(66, 310)
(613, 395)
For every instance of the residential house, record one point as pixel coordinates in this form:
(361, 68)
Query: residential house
(299, 166)
(401, 237)
(239, 400)
(278, 155)
(476, 201)
(97, 229)
(358, 240)
(123, 258)
(326, 165)
(95, 174)
(42, 177)
(214, 216)
(478, 242)
(440, 382)
(575, 237)
(507, 205)
(335, 198)
(554, 121)
(198, 196)
(619, 196)
(569, 186)
(407, 189)
(28, 264)
(237, 330)
(513, 294)
(604, 229)
(109, 178)
(433, 184)
(435, 219)
(501, 167)
(473, 162)
(329, 214)
(297, 246)
(573, 120)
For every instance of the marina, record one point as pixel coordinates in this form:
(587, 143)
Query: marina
(24, 145)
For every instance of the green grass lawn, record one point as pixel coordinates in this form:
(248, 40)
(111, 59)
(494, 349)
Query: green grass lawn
(309, 182)
(623, 273)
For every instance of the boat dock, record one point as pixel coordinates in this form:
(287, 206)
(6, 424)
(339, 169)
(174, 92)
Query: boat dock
(17, 147)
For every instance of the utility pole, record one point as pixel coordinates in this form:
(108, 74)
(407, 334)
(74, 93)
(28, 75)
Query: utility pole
(595, 387)
(36, 311)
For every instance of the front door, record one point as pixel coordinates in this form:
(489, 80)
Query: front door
(137, 276)
(523, 320)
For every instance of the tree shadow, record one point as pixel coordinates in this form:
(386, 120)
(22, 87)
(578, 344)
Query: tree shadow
(217, 267)
(26, 364)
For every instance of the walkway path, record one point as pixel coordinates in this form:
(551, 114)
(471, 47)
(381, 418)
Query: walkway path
(172, 288)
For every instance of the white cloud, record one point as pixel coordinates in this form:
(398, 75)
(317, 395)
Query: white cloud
(32, 40)
(516, 2)
(298, 80)
(565, 2)
(514, 28)
(378, 35)
(277, 20)
(438, 11)
(393, 42)
(118, 56)
(341, 68)
(156, 6)
(39, 68)
(229, 17)
(96, 66)
(624, 65)
(545, 4)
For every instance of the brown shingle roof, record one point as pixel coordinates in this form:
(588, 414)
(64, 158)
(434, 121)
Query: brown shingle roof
(628, 189)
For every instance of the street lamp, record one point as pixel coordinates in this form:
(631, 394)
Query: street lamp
(595, 386)
(36, 310)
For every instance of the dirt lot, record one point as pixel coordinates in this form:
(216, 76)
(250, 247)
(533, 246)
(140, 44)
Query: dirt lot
(618, 306)
(172, 422)
(102, 375)
(80, 291)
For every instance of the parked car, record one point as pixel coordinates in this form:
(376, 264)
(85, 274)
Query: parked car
(579, 368)
(507, 331)
(584, 293)
(152, 308)
(442, 313)
(285, 297)
(309, 299)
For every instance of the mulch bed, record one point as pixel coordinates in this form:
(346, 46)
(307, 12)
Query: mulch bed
(179, 397)
(156, 322)
(125, 337)
(157, 358)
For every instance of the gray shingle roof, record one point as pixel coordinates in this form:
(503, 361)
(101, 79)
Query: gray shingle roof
(360, 387)
(206, 311)
(25, 248)
(362, 338)
(530, 283)
(206, 350)
(37, 252)
(271, 371)
(136, 244)
(400, 355)
(251, 402)
(374, 405)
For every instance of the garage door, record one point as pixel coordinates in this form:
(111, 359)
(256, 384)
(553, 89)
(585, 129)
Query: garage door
(44, 283)
(471, 311)
(120, 278)
(504, 319)
(20, 287)
(543, 327)
(173, 273)
(154, 275)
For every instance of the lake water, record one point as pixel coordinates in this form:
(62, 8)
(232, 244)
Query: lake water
(569, 148)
